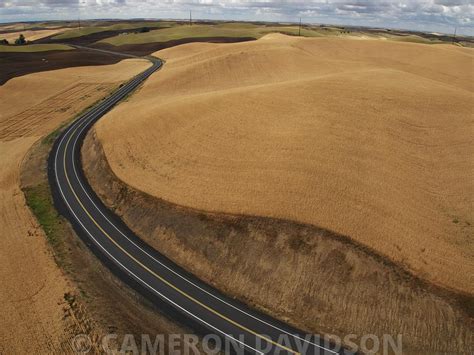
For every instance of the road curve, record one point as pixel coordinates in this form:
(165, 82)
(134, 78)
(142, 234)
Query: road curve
(143, 268)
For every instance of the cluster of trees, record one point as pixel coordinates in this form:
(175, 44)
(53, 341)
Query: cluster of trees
(20, 40)
(143, 30)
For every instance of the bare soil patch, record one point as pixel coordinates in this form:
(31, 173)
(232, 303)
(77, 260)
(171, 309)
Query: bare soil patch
(18, 64)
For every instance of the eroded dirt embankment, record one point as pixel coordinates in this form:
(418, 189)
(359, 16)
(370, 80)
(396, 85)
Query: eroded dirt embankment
(314, 279)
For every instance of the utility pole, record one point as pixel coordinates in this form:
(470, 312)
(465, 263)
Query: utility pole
(299, 28)
(455, 31)
(79, 14)
(190, 19)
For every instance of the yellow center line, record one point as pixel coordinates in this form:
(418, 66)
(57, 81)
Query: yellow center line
(158, 276)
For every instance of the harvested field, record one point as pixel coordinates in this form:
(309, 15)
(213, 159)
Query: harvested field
(32, 35)
(369, 139)
(27, 122)
(64, 83)
(36, 314)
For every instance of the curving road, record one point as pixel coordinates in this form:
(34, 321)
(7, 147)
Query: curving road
(143, 268)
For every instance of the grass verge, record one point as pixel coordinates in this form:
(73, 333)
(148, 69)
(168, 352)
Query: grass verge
(39, 199)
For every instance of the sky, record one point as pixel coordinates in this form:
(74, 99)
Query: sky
(423, 15)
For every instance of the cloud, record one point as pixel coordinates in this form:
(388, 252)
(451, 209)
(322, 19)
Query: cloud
(430, 15)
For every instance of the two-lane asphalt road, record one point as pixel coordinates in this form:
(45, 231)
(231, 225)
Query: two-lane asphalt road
(139, 264)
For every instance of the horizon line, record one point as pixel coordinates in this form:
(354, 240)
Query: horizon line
(248, 21)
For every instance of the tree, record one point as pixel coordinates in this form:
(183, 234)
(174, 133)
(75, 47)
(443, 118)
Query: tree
(20, 40)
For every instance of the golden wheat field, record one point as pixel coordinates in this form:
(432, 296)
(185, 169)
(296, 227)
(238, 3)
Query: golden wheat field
(368, 138)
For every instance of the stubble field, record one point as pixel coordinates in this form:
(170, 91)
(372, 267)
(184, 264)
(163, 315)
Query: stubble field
(32, 301)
